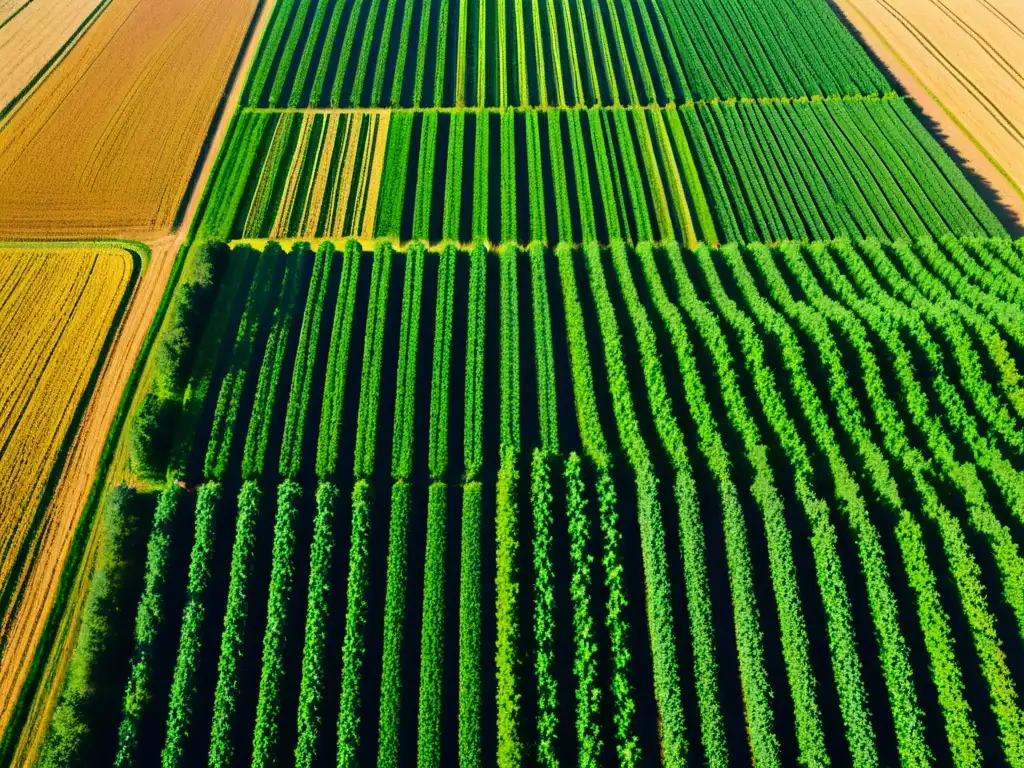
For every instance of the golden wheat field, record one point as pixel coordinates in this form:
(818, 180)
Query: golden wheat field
(965, 64)
(121, 122)
(47, 363)
(35, 34)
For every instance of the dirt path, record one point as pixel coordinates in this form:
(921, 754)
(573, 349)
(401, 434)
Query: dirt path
(84, 456)
(972, 91)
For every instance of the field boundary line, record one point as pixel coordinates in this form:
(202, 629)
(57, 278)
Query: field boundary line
(851, 9)
(14, 104)
(691, 104)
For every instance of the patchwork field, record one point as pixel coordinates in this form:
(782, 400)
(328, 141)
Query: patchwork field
(121, 175)
(724, 171)
(566, 382)
(975, 86)
(492, 53)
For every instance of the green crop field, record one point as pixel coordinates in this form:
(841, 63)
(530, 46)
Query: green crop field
(580, 382)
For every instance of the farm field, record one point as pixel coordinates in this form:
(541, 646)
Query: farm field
(121, 175)
(974, 89)
(49, 359)
(60, 309)
(33, 36)
(491, 53)
(725, 171)
(515, 357)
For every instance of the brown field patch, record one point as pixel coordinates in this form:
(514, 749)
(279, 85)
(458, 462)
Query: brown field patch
(33, 36)
(107, 143)
(963, 61)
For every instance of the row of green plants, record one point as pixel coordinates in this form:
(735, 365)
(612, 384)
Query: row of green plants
(824, 169)
(893, 652)
(596, 449)
(622, 53)
(919, 453)
(810, 734)
(845, 659)
(181, 700)
(723, 171)
(946, 673)
(149, 619)
(401, 507)
(885, 315)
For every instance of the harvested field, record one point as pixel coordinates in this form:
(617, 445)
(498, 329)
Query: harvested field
(120, 174)
(33, 36)
(974, 87)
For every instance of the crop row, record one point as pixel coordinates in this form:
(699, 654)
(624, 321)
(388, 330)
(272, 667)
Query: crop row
(729, 171)
(826, 168)
(845, 401)
(565, 53)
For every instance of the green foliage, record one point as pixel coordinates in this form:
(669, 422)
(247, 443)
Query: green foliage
(391, 204)
(660, 617)
(314, 652)
(481, 177)
(258, 434)
(405, 385)
(506, 585)
(149, 617)
(333, 402)
(476, 331)
(455, 170)
(229, 398)
(508, 345)
(297, 413)
(394, 625)
(440, 375)
(225, 697)
(354, 644)
(469, 628)
(544, 355)
(423, 203)
(72, 736)
(541, 501)
(152, 432)
(428, 751)
(509, 176)
(584, 666)
(265, 740)
(183, 687)
(193, 303)
(373, 360)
